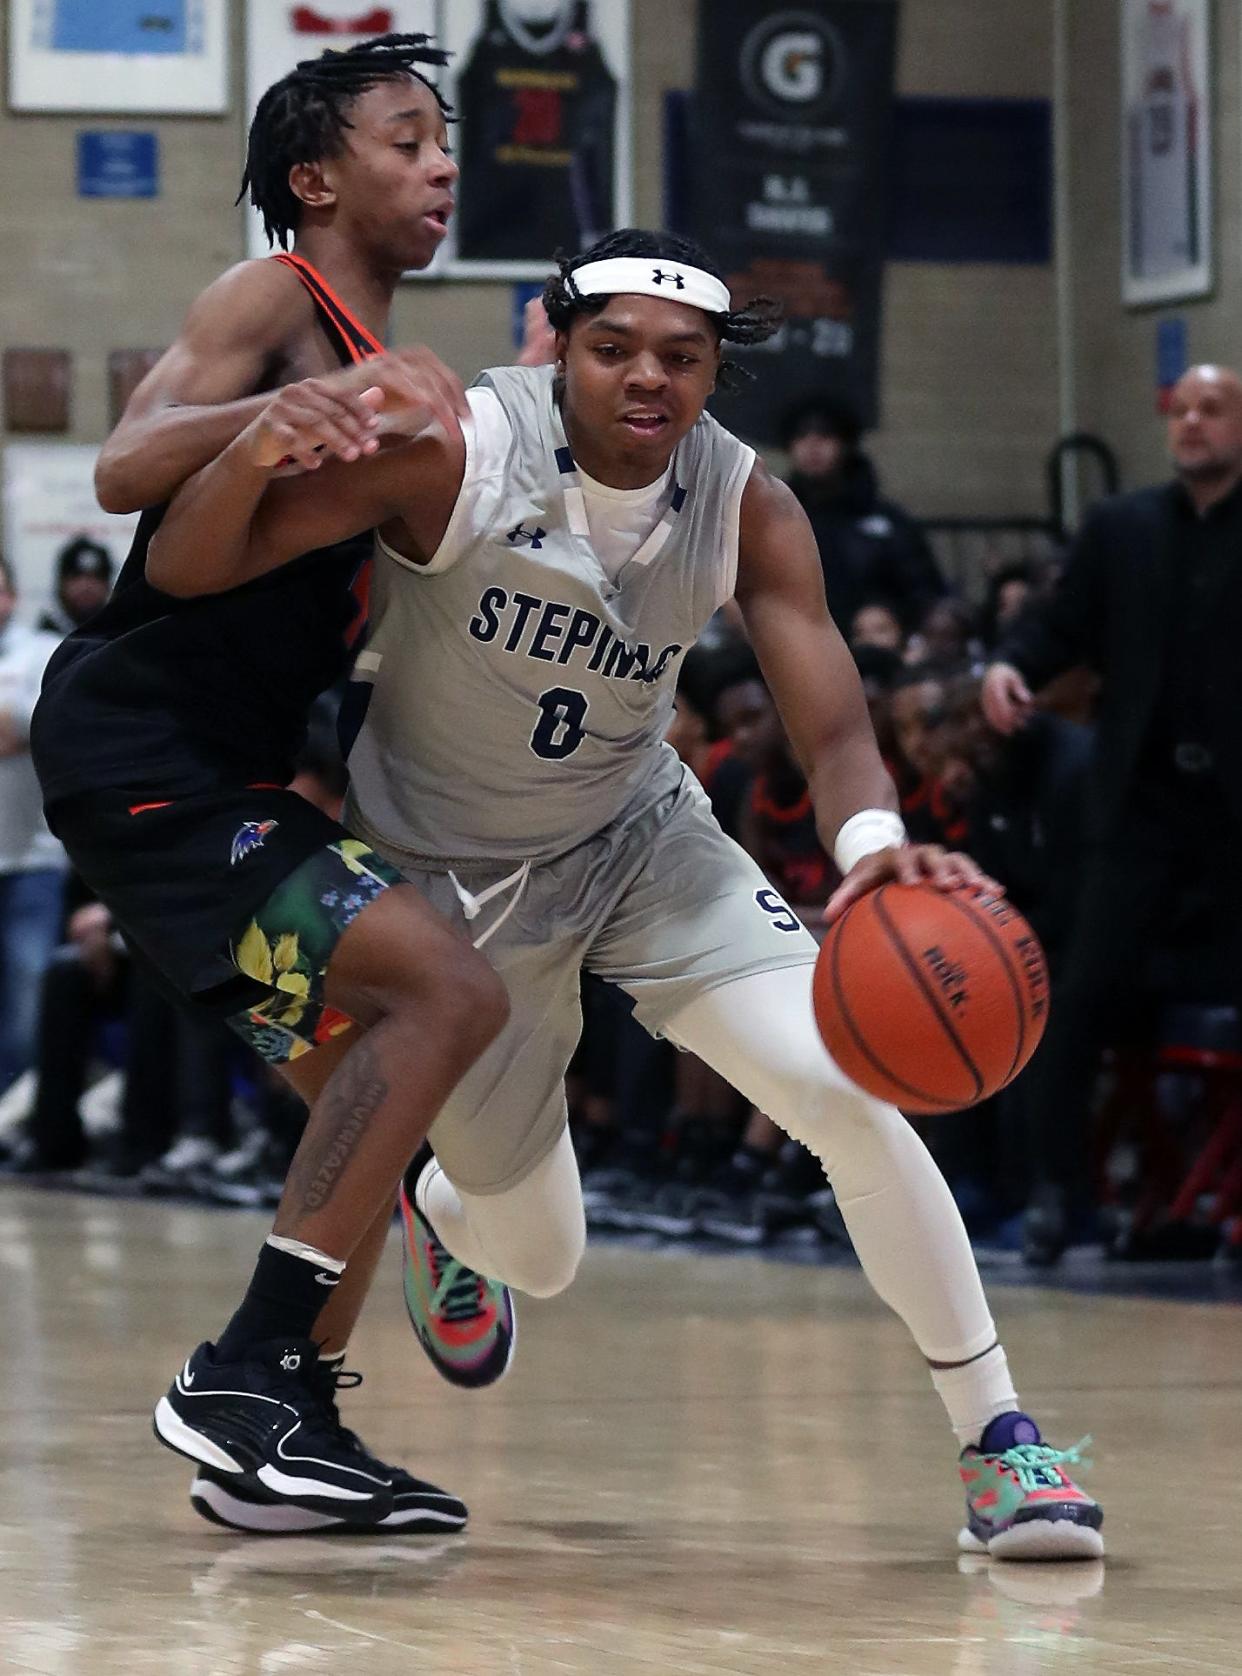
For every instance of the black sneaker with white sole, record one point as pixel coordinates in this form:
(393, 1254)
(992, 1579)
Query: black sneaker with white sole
(267, 1418)
(242, 1504)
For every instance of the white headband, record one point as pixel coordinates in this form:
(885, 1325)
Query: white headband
(653, 276)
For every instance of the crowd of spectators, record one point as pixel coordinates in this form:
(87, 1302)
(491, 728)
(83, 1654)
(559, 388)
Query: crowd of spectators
(665, 1146)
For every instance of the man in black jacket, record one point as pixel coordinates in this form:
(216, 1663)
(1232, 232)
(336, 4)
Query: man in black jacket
(1151, 599)
(870, 549)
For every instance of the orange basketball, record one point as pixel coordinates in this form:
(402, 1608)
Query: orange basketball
(931, 999)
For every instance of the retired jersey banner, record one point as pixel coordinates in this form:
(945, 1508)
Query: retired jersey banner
(1166, 150)
(790, 127)
(541, 92)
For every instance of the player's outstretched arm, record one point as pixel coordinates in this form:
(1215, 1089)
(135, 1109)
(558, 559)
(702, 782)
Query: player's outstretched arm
(199, 395)
(808, 667)
(231, 522)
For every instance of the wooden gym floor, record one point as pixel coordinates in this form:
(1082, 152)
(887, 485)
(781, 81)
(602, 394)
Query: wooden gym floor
(698, 1464)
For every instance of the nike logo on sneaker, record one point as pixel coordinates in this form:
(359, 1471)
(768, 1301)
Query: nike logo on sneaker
(187, 1378)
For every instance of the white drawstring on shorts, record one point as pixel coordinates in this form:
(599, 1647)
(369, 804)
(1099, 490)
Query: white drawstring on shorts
(472, 905)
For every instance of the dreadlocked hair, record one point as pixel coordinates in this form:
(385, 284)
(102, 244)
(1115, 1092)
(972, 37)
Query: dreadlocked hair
(301, 118)
(754, 323)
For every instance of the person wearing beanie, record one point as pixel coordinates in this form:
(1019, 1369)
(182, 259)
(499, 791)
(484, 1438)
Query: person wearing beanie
(83, 581)
(870, 549)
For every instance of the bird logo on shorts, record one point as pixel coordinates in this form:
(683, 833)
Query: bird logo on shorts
(250, 837)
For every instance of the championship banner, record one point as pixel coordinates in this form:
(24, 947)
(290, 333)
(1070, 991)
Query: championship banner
(790, 126)
(280, 34)
(541, 90)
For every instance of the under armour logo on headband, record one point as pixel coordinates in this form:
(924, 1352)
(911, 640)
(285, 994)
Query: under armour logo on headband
(618, 275)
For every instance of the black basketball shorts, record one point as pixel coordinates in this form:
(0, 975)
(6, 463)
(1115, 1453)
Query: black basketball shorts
(238, 898)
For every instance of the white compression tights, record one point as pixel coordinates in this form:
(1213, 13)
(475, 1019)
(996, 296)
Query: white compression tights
(759, 1034)
(531, 1236)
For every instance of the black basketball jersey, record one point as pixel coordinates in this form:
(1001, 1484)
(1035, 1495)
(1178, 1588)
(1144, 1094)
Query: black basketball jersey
(536, 138)
(183, 695)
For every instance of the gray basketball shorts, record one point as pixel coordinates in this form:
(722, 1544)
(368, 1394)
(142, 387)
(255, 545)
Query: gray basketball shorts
(661, 903)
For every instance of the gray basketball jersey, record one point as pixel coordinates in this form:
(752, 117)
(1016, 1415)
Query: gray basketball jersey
(519, 698)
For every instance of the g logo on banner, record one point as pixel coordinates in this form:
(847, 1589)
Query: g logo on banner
(792, 64)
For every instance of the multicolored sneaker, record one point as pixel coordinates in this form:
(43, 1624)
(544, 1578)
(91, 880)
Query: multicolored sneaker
(464, 1321)
(1020, 1502)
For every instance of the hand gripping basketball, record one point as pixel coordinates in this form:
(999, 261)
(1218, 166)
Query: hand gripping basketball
(908, 864)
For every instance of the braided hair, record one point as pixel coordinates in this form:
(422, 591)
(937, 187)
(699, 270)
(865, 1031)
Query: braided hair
(754, 323)
(301, 118)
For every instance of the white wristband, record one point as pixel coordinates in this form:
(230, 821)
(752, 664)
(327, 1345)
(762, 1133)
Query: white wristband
(865, 833)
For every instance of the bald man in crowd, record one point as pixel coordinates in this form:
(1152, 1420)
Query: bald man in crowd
(1151, 599)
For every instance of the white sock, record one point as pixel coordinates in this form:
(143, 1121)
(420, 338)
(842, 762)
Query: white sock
(308, 1253)
(975, 1393)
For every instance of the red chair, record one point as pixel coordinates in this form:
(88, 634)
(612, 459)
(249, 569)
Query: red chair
(1183, 1158)
(1210, 1044)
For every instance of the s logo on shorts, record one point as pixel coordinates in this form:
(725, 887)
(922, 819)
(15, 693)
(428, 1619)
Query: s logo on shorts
(782, 916)
(248, 838)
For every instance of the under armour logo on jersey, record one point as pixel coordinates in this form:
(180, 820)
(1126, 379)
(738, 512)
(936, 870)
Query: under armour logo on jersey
(519, 536)
(249, 837)
(659, 277)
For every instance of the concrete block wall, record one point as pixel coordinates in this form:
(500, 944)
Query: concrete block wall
(969, 361)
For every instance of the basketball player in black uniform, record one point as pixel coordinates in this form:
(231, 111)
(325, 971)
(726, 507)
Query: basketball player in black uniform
(168, 728)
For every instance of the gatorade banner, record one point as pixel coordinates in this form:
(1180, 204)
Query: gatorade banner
(278, 36)
(136, 56)
(789, 135)
(542, 92)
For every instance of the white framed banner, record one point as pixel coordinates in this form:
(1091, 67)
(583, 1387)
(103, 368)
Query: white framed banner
(280, 35)
(541, 90)
(122, 56)
(1166, 150)
(49, 500)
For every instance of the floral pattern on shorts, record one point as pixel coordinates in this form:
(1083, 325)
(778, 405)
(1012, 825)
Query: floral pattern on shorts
(290, 940)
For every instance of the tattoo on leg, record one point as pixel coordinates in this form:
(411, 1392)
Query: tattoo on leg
(353, 1096)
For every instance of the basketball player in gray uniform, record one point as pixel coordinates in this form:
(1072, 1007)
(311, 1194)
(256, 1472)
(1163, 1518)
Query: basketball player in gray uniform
(541, 571)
